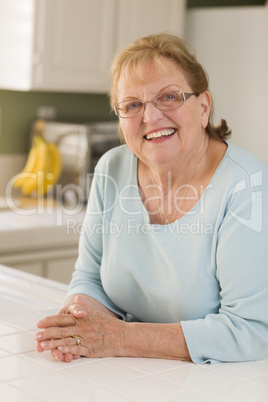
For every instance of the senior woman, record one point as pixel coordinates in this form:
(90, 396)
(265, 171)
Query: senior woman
(176, 229)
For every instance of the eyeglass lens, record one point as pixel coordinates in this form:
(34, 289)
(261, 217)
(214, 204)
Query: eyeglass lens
(163, 101)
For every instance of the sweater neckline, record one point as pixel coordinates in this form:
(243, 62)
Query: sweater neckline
(212, 181)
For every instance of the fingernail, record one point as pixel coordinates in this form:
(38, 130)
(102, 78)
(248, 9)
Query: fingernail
(39, 336)
(44, 345)
(39, 323)
(57, 357)
(61, 348)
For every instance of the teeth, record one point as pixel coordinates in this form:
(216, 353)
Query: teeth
(158, 134)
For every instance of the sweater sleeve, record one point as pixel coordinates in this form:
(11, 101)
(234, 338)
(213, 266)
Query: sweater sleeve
(239, 330)
(86, 278)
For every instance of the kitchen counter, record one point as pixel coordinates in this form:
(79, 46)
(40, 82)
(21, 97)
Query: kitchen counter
(41, 237)
(25, 224)
(28, 376)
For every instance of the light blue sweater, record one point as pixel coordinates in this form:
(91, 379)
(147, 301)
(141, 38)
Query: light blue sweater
(208, 270)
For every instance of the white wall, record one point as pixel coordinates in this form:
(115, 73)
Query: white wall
(232, 45)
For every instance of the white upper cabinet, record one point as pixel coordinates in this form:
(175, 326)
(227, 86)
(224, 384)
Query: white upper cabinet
(73, 44)
(143, 17)
(67, 45)
(56, 45)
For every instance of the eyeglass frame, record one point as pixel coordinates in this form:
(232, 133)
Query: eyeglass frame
(185, 96)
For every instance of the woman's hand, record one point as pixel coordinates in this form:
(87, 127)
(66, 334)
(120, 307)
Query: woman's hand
(78, 302)
(100, 335)
(72, 304)
(79, 305)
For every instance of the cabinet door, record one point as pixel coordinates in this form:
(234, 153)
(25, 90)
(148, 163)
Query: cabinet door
(60, 270)
(144, 17)
(16, 34)
(32, 267)
(74, 43)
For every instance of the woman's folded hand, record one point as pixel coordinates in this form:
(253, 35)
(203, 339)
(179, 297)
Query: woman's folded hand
(98, 334)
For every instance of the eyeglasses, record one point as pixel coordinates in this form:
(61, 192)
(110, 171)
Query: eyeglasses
(164, 101)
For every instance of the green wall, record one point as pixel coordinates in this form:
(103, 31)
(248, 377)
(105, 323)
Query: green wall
(19, 110)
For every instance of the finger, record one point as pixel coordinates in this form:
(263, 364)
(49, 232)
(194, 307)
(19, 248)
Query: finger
(80, 314)
(53, 333)
(57, 355)
(61, 357)
(56, 333)
(63, 310)
(61, 349)
(77, 310)
(54, 343)
(59, 320)
(79, 299)
(68, 357)
(74, 350)
(39, 348)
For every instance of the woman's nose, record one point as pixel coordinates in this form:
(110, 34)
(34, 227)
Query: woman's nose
(151, 113)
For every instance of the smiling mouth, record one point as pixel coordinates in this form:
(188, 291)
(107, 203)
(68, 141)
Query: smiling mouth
(158, 135)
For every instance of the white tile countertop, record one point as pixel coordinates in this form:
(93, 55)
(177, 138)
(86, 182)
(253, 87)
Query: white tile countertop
(27, 376)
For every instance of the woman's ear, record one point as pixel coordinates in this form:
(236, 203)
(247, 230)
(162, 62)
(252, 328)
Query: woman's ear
(205, 104)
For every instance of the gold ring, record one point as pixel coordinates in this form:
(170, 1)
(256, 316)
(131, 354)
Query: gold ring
(77, 340)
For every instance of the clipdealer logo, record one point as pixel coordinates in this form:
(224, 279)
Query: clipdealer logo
(133, 227)
(254, 220)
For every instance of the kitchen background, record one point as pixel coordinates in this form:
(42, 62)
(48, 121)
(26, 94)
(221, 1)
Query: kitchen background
(54, 64)
(229, 37)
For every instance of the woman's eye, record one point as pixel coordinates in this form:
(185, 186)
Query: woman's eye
(134, 105)
(167, 97)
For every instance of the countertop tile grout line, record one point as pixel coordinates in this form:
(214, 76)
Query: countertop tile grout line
(214, 369)
(76, 377)
(106, 388)
(23, 390)
(142, 375)
(250, 381)
(155, 372)
(235, 380)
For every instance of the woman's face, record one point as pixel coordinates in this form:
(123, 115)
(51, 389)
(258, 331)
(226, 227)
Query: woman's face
(183, 129)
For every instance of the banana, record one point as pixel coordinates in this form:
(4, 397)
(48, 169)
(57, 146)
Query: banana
(35, 181)
(20, 179)
(42, 169)
(54, 169)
